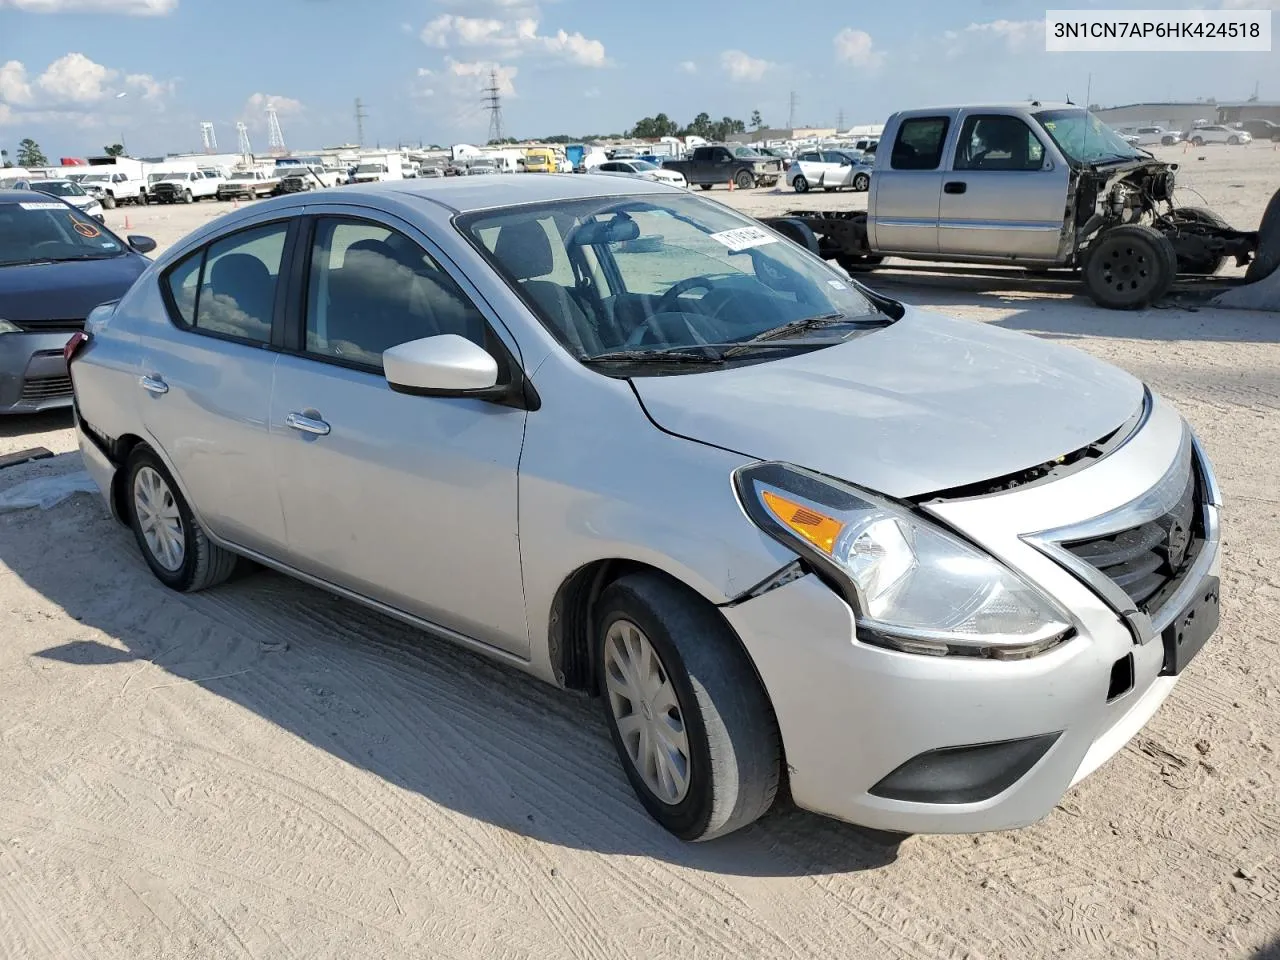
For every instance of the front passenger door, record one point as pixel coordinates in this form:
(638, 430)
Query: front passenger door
(407, 500)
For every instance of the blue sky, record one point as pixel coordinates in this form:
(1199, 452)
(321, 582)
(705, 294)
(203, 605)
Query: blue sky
(571, 66)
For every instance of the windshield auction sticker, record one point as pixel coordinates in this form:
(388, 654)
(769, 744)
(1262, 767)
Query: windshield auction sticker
(743, 238)
(42, 206)
(1138, 31)
(86, 230)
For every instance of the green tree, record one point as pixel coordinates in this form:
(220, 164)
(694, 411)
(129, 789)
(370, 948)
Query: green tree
(30, 154)
(651, 128)
(115, 150)
(756, 122)
(4, 159)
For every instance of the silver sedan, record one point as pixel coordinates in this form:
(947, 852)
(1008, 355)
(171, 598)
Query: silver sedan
(927, 572)
(830, 170)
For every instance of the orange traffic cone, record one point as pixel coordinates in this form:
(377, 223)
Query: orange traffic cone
(731, 184)
(127, 224)
(235, 203)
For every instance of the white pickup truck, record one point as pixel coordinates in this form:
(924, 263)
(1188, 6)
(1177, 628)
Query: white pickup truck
(112, 187)
(183, 186)
(300, 177)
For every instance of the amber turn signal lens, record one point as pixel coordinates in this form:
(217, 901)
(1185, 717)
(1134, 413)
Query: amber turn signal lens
(816, 528)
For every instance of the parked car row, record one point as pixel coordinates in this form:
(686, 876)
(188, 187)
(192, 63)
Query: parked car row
(67, 190)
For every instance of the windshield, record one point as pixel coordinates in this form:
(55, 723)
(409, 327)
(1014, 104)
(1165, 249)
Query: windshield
(241, 176)
(157, 177)
(370, 168)
(641, 166)
(1084, 138)
(96, 178)
(649, 275)
(37, 231)
(745, 152)
(58, 188)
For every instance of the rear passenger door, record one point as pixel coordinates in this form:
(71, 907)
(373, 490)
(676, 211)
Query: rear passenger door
(905, 191)
(206, 380)
(406, 500)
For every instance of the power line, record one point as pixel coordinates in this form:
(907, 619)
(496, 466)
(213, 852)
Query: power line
(361, 116)
(208, 137)
(493, 103)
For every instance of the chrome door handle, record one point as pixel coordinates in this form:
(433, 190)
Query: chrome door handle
(307, 424)
(153, 385)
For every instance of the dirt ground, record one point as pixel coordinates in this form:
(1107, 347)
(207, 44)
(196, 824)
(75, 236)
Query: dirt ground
(265, 771)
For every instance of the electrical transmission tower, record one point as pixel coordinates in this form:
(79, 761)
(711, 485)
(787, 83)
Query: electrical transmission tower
(791, 112)
(243, 146)
(840, 120)
(361, 116)
(493, 103)
(275, 136)
(208, 137)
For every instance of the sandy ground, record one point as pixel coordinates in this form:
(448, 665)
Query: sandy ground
(265, 771)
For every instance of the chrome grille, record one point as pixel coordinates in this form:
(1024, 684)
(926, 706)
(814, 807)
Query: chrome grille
(1146, 561)
(46, 388)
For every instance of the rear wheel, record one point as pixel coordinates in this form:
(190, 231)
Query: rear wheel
(109, 202)
(801, 184)
(173, 543)
(1266, 259)
(187, 197)
(706, 186)
(1129, 267)
(861, 183)
(744, 180)
(692, 726)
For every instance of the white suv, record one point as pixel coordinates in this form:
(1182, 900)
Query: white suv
(1217, 133)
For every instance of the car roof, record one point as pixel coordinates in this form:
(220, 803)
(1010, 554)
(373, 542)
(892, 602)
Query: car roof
(1009, 105)
(462, 195)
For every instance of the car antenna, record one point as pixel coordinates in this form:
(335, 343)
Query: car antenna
(1088, 99)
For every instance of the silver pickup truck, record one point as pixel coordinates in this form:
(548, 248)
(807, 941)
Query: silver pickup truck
(1038, 185)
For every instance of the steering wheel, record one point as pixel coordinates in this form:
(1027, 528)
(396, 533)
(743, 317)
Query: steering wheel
(667, 304)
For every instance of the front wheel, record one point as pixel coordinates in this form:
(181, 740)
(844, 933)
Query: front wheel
(1233, 141)
(187, 197)
(744, 180)
(706, 186)
(801, 184)
(1197, 141)
(1129, 267)
(109, 202)
(862, 183)
(692, 726)
(173, 543)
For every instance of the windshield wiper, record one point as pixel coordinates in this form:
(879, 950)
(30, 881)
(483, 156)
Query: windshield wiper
(658, 355)
(812, 323)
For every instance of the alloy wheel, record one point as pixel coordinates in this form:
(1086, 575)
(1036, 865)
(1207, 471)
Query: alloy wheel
(159, 519)
(646, 711)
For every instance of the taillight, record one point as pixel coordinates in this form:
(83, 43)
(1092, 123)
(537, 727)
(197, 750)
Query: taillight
(78, 340)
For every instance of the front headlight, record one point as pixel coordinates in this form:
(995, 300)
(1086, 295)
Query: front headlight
(7, 327)
(913, 586)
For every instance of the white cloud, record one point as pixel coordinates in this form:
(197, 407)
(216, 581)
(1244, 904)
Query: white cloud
(425, 88)
(6, 114)
(512, 38)
(14, 87)
(740, 66)
(857, 47)
(1251, 4)
(254, 113)
(591, 93)
(133, 8)
(148, 87)
(688, 66)
(76, 79)
(475, 75)
(1017, 35)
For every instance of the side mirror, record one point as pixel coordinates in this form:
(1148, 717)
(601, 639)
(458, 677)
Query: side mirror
(442, 366)
(140, 243)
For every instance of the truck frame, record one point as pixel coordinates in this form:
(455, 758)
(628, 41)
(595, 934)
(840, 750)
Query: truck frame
(1040, 186)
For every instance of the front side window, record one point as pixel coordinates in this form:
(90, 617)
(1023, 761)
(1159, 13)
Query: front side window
(650, 275)
(919, 143)
(233, 290)
(372, 288)
(998, 142)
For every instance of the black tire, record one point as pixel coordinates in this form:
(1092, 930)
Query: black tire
(187, 197)
(744, 180)
(852, 260)
(735, 761)
(142, 198)
(1233, 140)
(1167, 141)
(861, 183)
(1266, 259)
(1129, 267)
(1206, 267)
(1197, 141)
(798, 231)
(800, 184)
(109, 202)
(828, 189)
(706, 186)
(203, 564)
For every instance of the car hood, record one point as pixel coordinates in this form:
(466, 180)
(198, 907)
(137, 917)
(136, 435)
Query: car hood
(65, 291)
(927, 404)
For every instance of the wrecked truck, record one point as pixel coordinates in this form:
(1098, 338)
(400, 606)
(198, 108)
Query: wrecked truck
(1037, 185)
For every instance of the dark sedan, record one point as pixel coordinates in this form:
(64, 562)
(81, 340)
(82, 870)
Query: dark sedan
(56, 264)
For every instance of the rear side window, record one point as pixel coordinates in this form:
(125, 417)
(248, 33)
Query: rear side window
(919, 143)
(228, 289)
